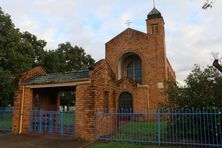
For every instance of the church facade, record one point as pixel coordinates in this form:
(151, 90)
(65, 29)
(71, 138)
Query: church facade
(129, 79)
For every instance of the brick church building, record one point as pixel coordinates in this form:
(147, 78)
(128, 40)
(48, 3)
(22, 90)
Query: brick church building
(130, 78)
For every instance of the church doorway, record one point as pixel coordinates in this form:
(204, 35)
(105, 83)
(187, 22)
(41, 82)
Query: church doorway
(126, 102)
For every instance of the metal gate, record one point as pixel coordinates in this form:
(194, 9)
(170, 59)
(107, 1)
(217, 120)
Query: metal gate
(52, 122)
(5, 119)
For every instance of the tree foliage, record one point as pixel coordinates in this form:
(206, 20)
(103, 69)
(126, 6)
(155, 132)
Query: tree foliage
(202, 93)
(67, 58)
(67, 99)
(6, 88)
(22, 51)
(19, 51)
(203, 89)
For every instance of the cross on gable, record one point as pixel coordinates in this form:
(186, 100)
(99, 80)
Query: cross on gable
(128, 23)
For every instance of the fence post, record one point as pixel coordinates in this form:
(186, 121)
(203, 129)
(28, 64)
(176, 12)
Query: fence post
(50, 122)
(158, 115)
(40, 120)
(61, 117)
(30, 127)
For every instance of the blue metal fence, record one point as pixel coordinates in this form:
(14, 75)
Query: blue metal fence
(52, 122)
(193, 127)
(5, 119)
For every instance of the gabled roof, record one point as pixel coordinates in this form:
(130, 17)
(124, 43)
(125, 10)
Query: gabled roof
(128, 30)
(58, 77)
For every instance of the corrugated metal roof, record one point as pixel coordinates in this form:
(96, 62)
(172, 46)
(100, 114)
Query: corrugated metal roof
(58, 77)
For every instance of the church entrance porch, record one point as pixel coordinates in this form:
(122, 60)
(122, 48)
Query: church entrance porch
(53, 111)
(51, 103)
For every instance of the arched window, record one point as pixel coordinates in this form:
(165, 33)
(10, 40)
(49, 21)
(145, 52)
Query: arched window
(130, 65)
(126, 102)
(134, 70)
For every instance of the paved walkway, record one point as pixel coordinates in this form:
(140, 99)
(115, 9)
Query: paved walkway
(9, 140)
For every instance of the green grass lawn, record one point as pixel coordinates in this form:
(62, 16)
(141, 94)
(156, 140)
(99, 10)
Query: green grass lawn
(126, 145)
(140, 130)
(5, 120)
(68, 118)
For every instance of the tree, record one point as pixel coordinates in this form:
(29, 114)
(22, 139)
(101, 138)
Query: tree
(51, 62)
(202, 93)
(19, 52)
(22, 51)
(67, 99)
(203, 89)
(34, 47)
(73, 58)
(6, 88)
(67, 58)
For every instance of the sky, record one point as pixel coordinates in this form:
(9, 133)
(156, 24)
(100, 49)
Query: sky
(192, 34)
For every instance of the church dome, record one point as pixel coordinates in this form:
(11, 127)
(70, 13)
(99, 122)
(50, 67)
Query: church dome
(154, 13)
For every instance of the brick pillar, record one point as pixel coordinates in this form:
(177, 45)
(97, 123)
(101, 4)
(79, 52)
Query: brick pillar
(27, 106)
(80, 110)
(17, 110)
(90, 114)
(85, 111)
(26, 110)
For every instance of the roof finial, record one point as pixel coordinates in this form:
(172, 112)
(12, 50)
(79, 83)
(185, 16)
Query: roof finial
(128, 23)
(154, 4)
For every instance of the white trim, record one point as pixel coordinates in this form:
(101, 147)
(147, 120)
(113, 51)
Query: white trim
(58, 84)
(22, 110)
(141, 85)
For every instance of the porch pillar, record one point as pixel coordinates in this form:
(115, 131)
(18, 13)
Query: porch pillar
(22, 120)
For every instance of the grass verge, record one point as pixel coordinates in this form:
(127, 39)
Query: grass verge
(126, 145)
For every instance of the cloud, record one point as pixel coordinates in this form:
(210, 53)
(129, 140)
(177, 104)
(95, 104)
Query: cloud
(191, 33)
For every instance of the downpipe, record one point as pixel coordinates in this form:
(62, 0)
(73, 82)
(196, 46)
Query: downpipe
(22, 110)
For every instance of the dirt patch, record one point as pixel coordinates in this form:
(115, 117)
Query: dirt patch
(9, 140)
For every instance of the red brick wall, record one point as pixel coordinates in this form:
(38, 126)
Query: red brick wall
(80, 110)
(106, 124)
(103, 79)
(171, 74)
(46, 102)
(27, 106)
(90, 99)
(140, 94)
(17, 110)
